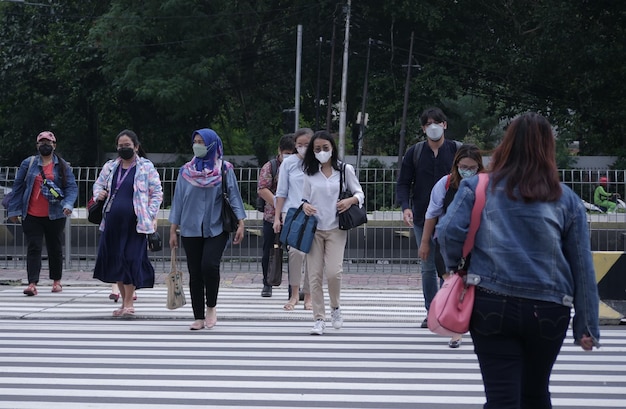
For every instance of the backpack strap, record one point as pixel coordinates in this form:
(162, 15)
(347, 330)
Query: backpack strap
(419, 147)
(274, 168)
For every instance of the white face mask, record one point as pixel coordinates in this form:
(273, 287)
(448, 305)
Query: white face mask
(434, 132)
(323, 156)
(301, 150)
(199, 150)
(286, 155)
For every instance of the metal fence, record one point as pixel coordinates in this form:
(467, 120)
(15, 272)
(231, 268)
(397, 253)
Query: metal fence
(383, 245)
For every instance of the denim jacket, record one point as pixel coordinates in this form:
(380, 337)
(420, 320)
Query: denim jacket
(147, 192)
(538, 251)
(23, 187)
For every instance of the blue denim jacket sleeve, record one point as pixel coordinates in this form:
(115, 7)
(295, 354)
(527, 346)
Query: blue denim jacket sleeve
(23, 186)
(566, 276)
(577, 250)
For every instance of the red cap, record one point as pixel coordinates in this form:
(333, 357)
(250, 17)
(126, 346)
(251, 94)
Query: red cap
(46, 135)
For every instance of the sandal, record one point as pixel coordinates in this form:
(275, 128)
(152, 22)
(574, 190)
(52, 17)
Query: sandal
(290, 306)
(114, 297)
(30, 290)
(57, 287)
(308, 306)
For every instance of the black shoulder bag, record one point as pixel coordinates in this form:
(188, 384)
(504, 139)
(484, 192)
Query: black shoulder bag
(229, 218)
(355, 215)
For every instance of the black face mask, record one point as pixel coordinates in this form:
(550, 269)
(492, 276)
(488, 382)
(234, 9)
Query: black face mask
(126, 153)
(45, 150)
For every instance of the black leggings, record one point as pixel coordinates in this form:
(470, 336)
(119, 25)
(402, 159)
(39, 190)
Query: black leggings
(204, 256)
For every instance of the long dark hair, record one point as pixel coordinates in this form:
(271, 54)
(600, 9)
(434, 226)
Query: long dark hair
(526, 158)
(310, 165)
(133, 137)
(465, 151)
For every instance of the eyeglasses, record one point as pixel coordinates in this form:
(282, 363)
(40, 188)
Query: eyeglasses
(472, 168)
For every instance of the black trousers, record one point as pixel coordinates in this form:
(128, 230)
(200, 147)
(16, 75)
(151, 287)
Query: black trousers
(35, 229)
(268, 244)
(204, 256)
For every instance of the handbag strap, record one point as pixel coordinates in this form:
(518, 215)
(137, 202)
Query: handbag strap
(479, 205)
(224, 185)
(173, 261)
(341, 171)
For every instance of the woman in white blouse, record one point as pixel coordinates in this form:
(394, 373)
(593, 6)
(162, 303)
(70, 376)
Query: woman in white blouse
(321, 182)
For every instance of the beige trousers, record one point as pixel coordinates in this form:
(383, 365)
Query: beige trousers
(326, 257)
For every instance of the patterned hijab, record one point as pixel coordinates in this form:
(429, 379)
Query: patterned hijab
(206, 171)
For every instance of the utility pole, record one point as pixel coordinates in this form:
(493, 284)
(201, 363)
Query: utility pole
(317, 88)
(344, 86)
(406, 104)
(298, 68)
(329, 102)
(363, 119)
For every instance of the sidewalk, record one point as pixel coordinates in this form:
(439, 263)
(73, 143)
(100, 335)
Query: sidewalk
(229, 279)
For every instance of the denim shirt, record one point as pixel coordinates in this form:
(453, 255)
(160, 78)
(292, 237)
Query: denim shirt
(23, 187)
(198, 210)
(539, 251)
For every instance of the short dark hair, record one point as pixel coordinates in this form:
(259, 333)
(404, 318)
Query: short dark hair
(434, 113)
(287, 142)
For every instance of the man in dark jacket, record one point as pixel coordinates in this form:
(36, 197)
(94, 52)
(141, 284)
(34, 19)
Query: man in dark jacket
(422, 166)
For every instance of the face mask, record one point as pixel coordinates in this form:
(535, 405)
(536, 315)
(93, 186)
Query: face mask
(301, 150)
(45, 150)
(199, 150)
(466, 173)
(286, 155)
(434, 132)
(323, 156)
(126, 153)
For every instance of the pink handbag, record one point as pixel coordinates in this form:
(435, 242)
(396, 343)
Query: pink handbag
(451, 308)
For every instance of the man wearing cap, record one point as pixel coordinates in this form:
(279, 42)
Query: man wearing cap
(603, 198)
(43, 197)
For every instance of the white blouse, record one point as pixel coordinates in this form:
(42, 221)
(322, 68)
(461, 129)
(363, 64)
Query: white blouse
(323, 193)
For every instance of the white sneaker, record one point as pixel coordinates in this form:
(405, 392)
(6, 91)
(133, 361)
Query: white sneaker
(337, 318)
(318, 327)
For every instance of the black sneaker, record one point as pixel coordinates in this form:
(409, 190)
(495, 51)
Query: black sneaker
(425, 323)
(267, 291)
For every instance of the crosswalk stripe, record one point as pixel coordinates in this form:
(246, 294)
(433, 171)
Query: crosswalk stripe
(69, 353)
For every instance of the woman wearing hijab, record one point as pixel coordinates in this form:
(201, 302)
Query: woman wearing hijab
(131, 188)
(196, 210)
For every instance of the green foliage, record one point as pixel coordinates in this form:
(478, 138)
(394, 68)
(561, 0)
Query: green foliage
(86, 69)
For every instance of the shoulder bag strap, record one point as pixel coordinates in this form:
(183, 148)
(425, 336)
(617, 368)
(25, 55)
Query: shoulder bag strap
(224, 186)
(479, 204)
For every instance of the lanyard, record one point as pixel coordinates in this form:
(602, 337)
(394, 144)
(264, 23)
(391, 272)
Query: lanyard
(120, 178)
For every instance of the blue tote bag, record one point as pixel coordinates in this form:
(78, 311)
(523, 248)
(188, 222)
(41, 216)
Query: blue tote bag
(298, 229)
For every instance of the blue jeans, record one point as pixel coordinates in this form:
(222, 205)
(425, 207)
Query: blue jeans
(517, 341)
(430, 281)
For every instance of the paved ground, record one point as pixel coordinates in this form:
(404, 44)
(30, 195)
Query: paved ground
(229, 279)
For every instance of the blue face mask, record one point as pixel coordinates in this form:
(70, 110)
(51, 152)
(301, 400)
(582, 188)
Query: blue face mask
(467, 173)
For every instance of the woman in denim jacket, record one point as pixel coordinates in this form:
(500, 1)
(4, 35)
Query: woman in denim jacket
(131, 188)
(43, 210)
(531, 262)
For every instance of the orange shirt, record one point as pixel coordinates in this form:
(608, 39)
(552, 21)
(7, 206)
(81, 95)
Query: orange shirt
(38, 204)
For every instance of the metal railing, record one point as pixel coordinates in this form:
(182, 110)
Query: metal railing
(383, 245)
